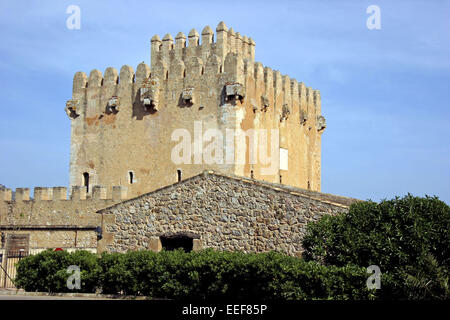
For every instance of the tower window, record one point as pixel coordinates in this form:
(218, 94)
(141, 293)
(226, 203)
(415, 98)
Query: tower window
(179, 175)
(309, 185)
(130, 177)
(86, 181)
(252, 175)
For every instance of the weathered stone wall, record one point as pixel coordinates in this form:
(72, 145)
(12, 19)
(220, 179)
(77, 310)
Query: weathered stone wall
(41, 239)
(51, 219)
(109, 144)
(225, 213)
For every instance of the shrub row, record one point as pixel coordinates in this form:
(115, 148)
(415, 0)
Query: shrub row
(205, 274)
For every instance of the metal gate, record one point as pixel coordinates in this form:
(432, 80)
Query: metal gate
(17, 247)
(9, 268)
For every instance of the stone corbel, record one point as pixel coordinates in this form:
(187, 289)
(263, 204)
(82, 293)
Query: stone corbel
(149, 94)
(285, 112)
(71, 108)
(187, 95)
(320, 123)
(234, 91)
(303, 117)
(265, 103)
(113, 104)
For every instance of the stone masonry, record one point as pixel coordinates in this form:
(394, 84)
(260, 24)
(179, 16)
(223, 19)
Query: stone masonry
(122, 122)
(218, 211)
(51, 220)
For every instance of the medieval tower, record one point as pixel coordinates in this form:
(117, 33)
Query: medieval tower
(124, 124)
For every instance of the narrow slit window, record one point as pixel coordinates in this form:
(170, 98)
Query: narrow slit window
(131, 177)
(86, 181)
(179, 175)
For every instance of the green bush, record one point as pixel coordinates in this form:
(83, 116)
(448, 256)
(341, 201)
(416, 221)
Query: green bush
(399, 235)
(205, 274)
(47, 271)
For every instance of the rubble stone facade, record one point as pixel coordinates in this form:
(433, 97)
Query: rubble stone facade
(218, 211)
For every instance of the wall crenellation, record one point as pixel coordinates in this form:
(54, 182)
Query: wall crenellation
(188, 57)
(227, 41)
(60, 193)
(274, 83)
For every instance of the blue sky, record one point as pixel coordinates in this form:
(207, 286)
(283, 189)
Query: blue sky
(385, 93)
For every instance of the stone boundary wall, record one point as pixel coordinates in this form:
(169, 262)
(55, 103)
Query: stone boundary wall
(51, 219)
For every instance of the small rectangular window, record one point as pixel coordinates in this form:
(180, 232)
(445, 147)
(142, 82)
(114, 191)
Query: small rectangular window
(284, 159)
(86, 181)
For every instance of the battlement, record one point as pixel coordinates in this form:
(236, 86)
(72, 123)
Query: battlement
(184, 64)
(184, 76)
(60, 194)
(227, 41)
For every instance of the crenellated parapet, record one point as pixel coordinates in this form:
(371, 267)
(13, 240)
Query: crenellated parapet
(60, 194)
(225, 61)
(51, 206)
(201, 45)
(282, 95)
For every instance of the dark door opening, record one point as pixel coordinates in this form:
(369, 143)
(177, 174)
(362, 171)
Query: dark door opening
(177, 241)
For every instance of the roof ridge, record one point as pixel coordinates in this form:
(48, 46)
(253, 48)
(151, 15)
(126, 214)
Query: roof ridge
(314, 195)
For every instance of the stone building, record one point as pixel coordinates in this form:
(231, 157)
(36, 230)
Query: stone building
(135, 185)
(214, 210)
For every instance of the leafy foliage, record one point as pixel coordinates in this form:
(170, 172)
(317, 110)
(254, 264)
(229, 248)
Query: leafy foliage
(47, 271)
(206, 274)
(399, 235)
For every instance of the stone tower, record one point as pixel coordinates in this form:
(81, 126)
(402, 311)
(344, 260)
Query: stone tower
(207, 93)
